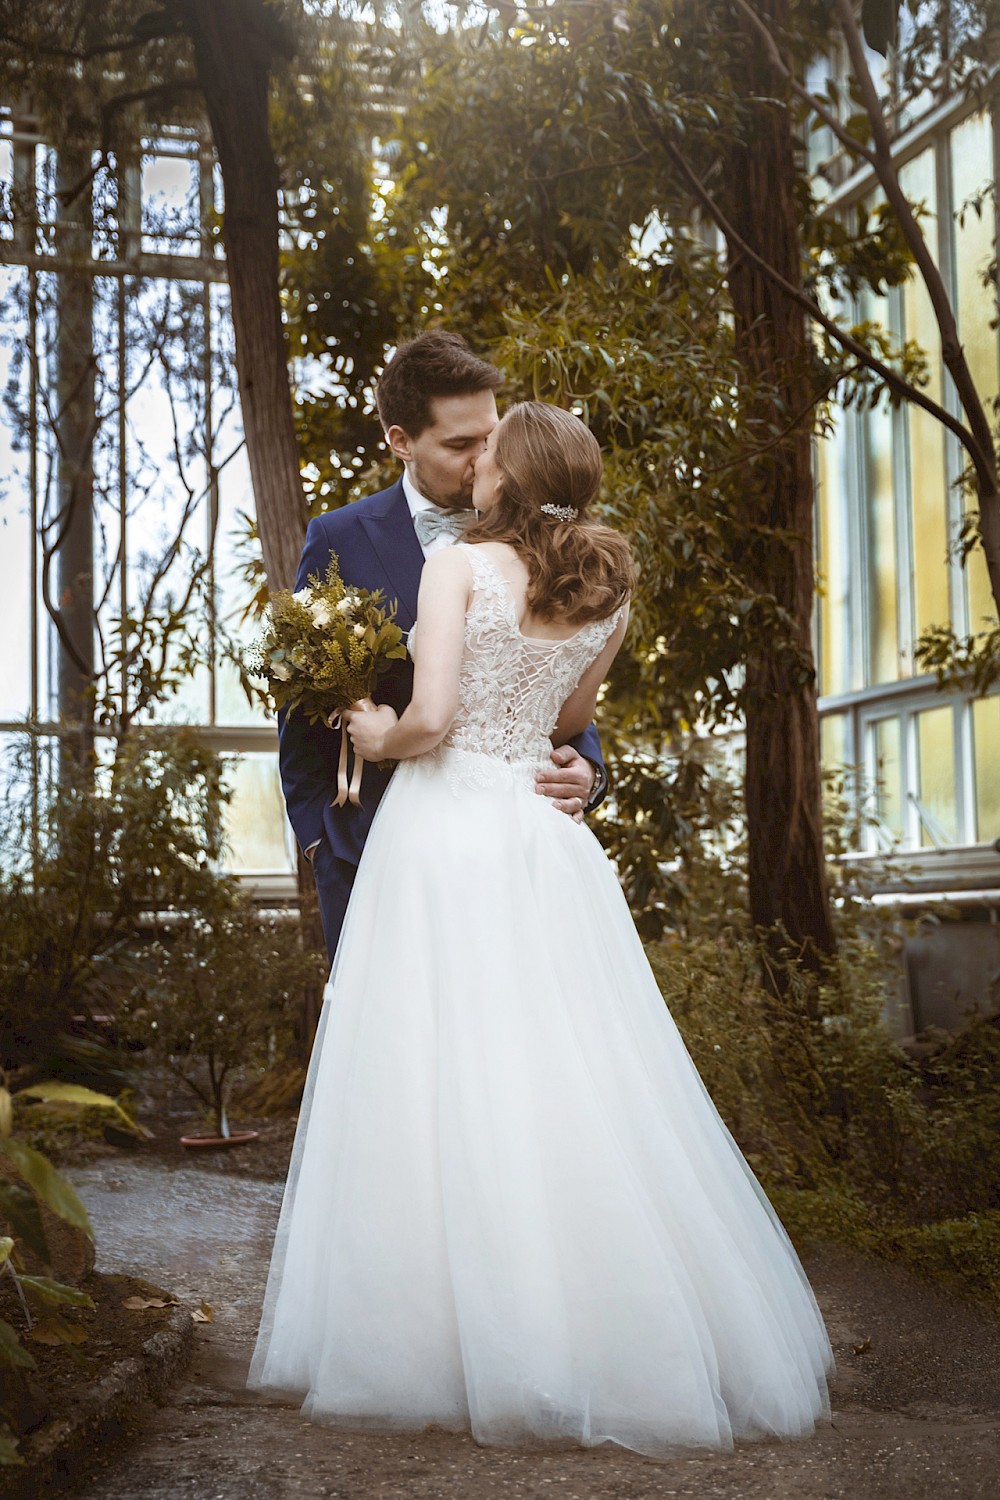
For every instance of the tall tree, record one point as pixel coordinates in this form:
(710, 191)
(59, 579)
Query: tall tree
(783, 786)
(71, 55)
(236, 44)
(720, 509)
(678, 113)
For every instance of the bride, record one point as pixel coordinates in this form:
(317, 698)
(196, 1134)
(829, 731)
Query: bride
(512, 1206)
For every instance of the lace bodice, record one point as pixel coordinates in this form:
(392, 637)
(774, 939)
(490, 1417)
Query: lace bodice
(511, 687)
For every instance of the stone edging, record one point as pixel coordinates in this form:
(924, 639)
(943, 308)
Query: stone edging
(65, 1449)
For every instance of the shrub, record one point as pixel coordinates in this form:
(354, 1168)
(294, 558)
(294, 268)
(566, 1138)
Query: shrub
(113, 844)
(215, 1002)
(850, 1136)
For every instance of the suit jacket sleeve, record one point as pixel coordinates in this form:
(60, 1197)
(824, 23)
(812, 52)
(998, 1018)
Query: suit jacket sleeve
(307, 753)
(588, 744)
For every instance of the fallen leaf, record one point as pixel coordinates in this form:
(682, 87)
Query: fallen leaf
(139, 1304)
(203, 1314)
(8, 1451)
(56, 1330)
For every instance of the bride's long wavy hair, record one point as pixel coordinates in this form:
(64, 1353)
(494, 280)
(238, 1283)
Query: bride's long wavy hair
(578, 569)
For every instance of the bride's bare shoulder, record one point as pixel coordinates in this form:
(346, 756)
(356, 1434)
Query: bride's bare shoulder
(450, 562)
(502, 554)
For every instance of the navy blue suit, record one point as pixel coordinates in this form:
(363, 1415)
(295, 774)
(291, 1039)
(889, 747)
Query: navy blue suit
(377, 548)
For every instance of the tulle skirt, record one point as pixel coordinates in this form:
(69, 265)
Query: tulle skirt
(512, 1206)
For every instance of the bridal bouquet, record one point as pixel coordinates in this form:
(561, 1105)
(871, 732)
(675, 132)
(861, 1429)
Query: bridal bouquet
(323, 650)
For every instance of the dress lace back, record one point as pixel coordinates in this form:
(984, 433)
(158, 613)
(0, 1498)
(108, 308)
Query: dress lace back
(512, 687)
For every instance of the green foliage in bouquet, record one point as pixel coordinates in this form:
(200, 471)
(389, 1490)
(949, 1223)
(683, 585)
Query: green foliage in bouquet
(325, 646)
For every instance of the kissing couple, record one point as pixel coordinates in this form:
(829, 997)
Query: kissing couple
(512, 1208)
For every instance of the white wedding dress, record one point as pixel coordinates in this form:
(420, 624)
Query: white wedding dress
(512, 1206)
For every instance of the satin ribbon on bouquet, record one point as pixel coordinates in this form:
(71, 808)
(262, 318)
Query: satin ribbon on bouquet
(348, 792)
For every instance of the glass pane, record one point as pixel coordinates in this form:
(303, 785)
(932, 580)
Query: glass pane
(915, 100)
(107, 473)
(833, 741)
(18, 798)
(821, 144)
(104, 195)
(46, 207)
(233, 547)
(880, 526)
(928, 493)
(6, 188)
(27, 776)
(971, 147)
(46, 467)
(888, 785)
(936, 749)
(257, 836)
(15, 498)
(168, 506)
(170, 205)
(833, 562)
(986, 736)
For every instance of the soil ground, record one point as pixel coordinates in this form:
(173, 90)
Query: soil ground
(916, 1399)
(65, 1371)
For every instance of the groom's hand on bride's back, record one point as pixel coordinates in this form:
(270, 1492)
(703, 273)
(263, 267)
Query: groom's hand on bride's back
(569, 782)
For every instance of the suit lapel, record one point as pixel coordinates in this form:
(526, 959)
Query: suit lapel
(389, 528)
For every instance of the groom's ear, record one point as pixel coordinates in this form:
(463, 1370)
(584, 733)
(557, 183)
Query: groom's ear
(399, 443)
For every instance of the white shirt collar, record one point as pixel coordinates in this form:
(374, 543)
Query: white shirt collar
(414, 499)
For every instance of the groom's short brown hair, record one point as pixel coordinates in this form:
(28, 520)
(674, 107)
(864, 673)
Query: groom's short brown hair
(435, 363)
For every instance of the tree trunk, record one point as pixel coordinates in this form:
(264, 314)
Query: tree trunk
(789, 895)
(235, 42)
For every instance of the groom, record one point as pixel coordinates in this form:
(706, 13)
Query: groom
(437, 407)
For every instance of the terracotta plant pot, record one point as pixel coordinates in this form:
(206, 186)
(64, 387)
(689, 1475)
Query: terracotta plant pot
(218, 1142)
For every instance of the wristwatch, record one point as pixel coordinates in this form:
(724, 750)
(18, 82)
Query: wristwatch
(598, 787)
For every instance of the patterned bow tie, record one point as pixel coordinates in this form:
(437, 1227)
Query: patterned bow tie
(429, 524)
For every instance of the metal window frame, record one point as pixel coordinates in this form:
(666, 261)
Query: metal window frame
(909, 695)
(131, 264)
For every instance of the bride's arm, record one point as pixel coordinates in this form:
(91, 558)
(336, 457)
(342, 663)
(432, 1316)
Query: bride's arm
(445, 589)
(578, 710)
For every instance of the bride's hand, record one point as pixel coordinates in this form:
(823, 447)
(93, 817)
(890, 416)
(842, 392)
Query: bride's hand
(368, 728)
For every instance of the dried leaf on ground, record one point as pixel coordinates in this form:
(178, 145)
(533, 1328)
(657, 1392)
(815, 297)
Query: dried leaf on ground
(56, 1330)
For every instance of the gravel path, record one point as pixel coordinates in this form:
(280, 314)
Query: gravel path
(917, 1398)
